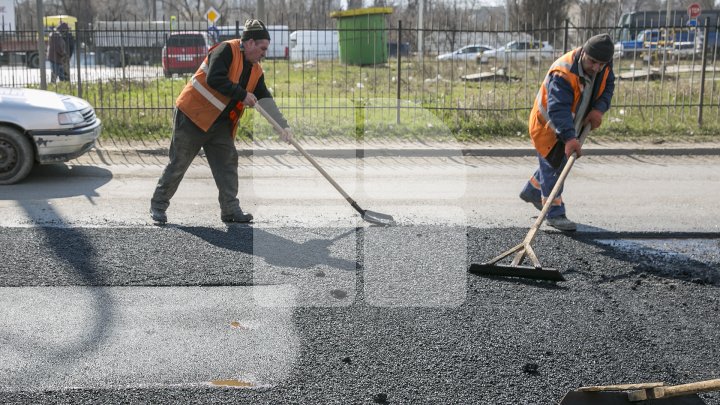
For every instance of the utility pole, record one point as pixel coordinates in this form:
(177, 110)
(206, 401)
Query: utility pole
(668, 10)
(41, 44)
(260, 10)
(420, 29)
(507, 15)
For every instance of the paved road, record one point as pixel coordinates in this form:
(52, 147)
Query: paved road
(310, 305)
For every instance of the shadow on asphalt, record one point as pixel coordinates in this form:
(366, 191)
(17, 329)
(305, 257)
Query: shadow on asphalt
(544, 284)
(74, 248)
(276, 250)
(59, 181)
(666, 255)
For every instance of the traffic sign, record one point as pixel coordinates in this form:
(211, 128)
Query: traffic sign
(694, 11)
(692, 22)
(212, 15)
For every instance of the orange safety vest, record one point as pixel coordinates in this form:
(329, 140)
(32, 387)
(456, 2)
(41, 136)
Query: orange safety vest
(203, 104)
(542, 130)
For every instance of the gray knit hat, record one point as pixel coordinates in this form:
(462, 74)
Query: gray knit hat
(600, 47)
(255, 29)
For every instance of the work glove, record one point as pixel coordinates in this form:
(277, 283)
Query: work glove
(594, 117)
(286, 135)
(573, 146)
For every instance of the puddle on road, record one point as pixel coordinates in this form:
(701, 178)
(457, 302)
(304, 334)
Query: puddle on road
(706, 251)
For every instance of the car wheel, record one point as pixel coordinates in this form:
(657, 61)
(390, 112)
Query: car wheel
(167, 73)
(112, 59)
(33, 60)
(16, 156)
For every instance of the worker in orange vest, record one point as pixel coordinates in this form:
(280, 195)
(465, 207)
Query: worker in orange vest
(577, 90)
(207, 114)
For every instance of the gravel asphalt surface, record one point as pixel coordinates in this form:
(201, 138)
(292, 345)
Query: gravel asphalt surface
(619, 318)
(375, 315)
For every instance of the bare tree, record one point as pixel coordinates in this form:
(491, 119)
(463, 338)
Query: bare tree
(354, 4)
(83, 10)
(538, 17)
(597, 13)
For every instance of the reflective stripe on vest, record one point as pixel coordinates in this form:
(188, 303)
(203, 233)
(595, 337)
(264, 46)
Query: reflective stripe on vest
(203, 104)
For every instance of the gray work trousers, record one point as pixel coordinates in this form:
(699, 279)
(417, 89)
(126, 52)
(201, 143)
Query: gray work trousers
(222, 156)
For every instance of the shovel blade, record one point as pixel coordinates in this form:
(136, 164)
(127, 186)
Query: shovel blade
(621, 398)
(378, 218)
(535, 273)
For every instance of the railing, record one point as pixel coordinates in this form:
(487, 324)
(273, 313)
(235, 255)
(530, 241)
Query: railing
(400, 94)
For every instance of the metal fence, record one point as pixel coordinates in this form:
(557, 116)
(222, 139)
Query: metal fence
(119, 70)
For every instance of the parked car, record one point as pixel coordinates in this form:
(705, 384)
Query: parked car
(468, 52)
(531, 51)
(184, 51)
(682, 43)
(42, 127)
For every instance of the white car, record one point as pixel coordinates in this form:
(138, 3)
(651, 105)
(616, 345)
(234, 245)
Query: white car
(469, 52)
(42, 127)
(519, 51)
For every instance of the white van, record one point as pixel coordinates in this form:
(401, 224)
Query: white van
(314, 45)
(279, 39)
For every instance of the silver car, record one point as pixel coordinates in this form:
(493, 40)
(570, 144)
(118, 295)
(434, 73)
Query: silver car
(469, 52)
(518, 51)
(42, 127)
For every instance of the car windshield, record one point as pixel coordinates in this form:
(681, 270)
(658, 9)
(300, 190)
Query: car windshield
(186, 40)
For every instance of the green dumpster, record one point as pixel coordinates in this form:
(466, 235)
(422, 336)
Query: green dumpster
(363, 35)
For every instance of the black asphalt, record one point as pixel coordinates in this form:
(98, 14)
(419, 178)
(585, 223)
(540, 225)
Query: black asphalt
(623, 316)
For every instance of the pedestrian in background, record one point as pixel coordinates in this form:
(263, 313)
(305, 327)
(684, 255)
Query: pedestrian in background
(56, 54)
(69, 46)
(207, 114)
(577, 90)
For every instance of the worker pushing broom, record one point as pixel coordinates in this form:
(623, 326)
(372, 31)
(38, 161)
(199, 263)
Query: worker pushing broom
(577, 90)
(572, 99)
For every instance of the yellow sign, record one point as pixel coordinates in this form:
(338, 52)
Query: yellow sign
(212, 15)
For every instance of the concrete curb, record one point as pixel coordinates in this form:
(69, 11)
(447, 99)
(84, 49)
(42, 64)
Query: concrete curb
(478, 152)
(436, 149)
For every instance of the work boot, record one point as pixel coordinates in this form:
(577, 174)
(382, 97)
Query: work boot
(527, 198)
(158, 215)
(237, 216)
(562, 223)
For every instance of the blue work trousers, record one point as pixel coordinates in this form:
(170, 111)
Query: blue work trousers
(540, 185)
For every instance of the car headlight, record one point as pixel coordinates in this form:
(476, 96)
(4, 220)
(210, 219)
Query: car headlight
(70, 118)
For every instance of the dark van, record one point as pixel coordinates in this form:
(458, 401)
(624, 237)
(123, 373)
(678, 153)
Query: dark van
(185, 51)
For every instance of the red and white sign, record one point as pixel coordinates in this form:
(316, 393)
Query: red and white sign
(694, 11)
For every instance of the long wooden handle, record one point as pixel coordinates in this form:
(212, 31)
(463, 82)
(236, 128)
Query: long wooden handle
(558, 185)
(692, 388)
(299, 148)
(674, 390)
(620, 387)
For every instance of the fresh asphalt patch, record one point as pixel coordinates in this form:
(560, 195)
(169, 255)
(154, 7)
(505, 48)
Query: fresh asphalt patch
(354, 315)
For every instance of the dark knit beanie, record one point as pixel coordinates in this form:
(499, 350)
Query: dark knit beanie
(600, 47)
(255, 29)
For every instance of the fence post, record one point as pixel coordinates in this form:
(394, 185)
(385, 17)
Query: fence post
(565, 36)
(77, 63)
(702, 72)
(41, 44)
(399, 70)
(122, 52)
